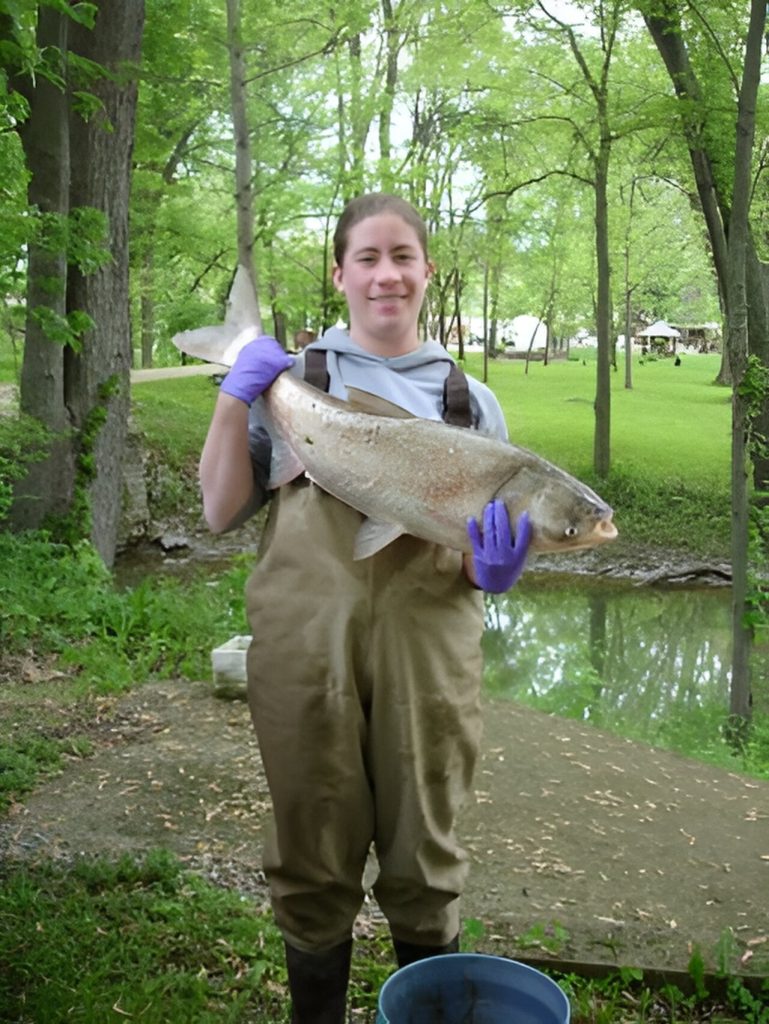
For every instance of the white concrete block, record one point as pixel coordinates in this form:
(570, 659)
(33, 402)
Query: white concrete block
(228, 663)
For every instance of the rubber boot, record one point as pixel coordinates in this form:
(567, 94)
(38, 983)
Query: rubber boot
(318, 984)
(408, 952)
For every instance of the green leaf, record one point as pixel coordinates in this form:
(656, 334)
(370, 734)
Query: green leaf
(697, 973)
(82, 13)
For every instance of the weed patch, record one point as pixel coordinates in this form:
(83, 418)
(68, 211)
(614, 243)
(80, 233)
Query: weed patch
(149, 940)
(60, 599)
(134, 938)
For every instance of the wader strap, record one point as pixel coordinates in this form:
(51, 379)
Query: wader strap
(456, 399)
(315, 372)
(456, 392)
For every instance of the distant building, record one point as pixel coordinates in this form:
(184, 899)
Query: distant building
(703, 337)
(660, 337)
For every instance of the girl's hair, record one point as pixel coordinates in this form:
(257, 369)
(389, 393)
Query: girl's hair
(370, 205)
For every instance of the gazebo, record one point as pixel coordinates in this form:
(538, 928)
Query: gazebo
(660, 330)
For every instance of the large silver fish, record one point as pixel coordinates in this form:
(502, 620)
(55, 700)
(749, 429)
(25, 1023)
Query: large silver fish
(423, 477)
(406, 474)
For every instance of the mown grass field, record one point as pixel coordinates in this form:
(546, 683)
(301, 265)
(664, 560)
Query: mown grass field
(670, 436)
(674, 424)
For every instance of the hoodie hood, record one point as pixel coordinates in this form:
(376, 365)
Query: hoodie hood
(413, 381)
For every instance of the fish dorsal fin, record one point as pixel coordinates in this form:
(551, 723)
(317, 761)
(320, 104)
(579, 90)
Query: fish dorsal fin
(364, 401)
(373, 536)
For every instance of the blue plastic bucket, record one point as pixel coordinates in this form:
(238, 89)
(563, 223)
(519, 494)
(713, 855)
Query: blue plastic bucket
(471, 988)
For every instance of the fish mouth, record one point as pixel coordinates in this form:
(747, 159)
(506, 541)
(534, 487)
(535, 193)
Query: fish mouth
(602, 532)
(606, 530)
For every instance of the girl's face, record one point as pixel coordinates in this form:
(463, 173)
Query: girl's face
(383, 276)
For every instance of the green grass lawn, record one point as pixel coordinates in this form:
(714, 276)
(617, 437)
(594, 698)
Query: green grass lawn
(10, 361)
(674, 424)
(174, 415)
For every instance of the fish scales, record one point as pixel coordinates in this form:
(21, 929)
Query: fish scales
(424, 477)
(410, 471)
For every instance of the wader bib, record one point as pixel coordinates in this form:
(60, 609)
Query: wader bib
(364, 688)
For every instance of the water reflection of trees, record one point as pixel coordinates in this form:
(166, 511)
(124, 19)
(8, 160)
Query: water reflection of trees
(646, 655)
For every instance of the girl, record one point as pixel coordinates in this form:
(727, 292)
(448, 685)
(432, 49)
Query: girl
(364, 676)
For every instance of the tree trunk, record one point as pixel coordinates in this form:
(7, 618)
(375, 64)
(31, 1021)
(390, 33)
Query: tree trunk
(737, 305)
(458, 315)
(602, 437)
(665, 29)
(629, 294)
(741, 279)
(97, 380)
(388, 97)
(147, 305)
(599, 155)
(359, 123)
(496, 273)
(757, 280)
(47, 489)
(243, 167)
(485, 322)
(628, 341)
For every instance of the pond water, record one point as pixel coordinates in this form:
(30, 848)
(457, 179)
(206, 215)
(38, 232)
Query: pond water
(648, 662)
(652, 663)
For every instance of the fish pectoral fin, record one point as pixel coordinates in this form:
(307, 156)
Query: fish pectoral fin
(373, 536)
(285, 464)
(364, 401)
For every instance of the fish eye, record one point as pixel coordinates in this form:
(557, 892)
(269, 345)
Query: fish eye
(570, 531)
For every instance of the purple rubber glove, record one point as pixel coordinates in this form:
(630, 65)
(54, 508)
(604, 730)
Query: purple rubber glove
(498, 558)
(257, 365)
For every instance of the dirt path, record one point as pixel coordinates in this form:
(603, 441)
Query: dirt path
(600, 848)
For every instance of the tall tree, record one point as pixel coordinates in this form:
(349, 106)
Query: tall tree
(77, 354)
(725, 191)
(583, 108)
(243, 165)
(598, 146)
(181, 114)
(45, 138)
(667, 272)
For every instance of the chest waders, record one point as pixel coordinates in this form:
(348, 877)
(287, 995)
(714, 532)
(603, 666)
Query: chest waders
(364, 688)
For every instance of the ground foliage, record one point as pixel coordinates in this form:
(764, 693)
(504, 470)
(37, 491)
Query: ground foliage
(148, 939)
